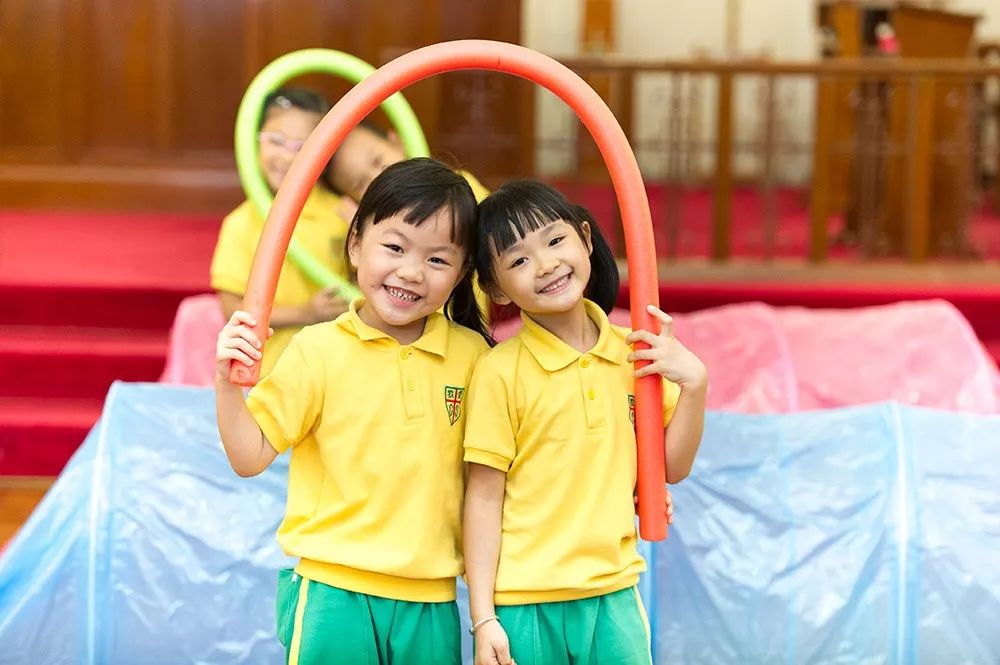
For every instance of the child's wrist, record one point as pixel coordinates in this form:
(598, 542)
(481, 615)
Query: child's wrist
(476, 625)
(481, 612)
(222, 381)
(695, 384)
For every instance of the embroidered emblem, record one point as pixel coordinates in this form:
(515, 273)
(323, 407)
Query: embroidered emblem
(453, 396)
(631, 409)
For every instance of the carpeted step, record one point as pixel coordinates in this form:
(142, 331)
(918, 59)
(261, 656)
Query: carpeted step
(85, 299)
(76, 362)
(141, 308)
(53, 380)
(38, 435)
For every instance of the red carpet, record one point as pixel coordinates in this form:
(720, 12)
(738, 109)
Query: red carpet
(89, 298)
(86, 299)
(749, 235)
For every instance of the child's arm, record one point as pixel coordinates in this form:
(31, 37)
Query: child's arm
(248, 450)
(683, 435)
(481, 538)
(324, 306)
(673, 361)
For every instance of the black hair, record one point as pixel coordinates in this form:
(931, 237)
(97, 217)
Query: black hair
(294, 98)
(518, 208)
(419, 188)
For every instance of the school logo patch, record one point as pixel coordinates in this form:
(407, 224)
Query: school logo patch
(631, 409)
(453, 396)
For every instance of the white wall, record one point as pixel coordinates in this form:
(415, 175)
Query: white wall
(678, 28)
(988, 28)
(552, 27)
(781, 29)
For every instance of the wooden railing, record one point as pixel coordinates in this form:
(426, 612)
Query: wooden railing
(896, 154)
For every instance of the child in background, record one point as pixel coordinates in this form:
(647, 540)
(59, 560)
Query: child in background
(364, 153)
(549, 531)
(290, 115)
(371, 405)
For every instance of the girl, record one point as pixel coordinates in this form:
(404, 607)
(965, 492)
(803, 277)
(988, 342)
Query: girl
(550, 539)
(290, 115)
(371, 405)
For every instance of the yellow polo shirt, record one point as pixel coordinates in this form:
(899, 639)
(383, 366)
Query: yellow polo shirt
(559, 423)
(375, 428)
(320, 231)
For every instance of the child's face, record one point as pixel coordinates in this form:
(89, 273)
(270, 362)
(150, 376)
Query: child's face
(406, 272)
(281, 136)
(362, 156)
(546, 271)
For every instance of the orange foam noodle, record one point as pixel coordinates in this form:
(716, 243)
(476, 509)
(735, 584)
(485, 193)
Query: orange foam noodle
(614, 147)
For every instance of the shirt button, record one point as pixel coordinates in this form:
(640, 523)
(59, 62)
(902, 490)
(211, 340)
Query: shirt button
(410, 386)
(405, 353)
(591, 394)
(585, 363)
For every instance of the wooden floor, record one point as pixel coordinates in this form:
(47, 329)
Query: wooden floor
(18, 497)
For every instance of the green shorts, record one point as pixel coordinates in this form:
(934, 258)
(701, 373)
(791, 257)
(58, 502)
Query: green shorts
(321, 624)
(605, 630)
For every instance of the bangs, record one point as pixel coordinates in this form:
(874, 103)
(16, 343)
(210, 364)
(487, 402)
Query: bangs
(512, 230)
(461, 215)
(519, 208)
(513, 212)
(418, 189)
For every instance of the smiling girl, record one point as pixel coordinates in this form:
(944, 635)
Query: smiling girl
(549, 527)
(372, 407)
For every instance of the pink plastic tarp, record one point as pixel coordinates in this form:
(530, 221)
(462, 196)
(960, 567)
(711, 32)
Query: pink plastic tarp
(191, 355)
(761, 359)
(922, 353)
(764, 359)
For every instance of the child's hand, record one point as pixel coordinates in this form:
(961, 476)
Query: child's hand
(237, 342)
(669, 358)
(327, 305)
(492, 646)
(668, 506)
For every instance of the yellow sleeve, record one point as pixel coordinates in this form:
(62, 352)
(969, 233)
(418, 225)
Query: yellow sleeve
(478, 190)
(287, 402)
(671, 392)
(490, 426)
(234, 251)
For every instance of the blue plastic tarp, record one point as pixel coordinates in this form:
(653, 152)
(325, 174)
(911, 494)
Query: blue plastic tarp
(861, 535)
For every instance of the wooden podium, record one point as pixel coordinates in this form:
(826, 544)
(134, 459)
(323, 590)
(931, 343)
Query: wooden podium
(900, 147)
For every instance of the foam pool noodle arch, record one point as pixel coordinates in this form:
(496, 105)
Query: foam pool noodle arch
(625, 176)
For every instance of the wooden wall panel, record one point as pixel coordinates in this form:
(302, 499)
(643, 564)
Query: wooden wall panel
(131, 104)
(208, 69)
(30, 81)
(489, 112)
(119, 78)
(289, 26)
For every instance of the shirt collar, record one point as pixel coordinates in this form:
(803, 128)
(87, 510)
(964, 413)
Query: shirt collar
(433, 340)
(554, 354)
